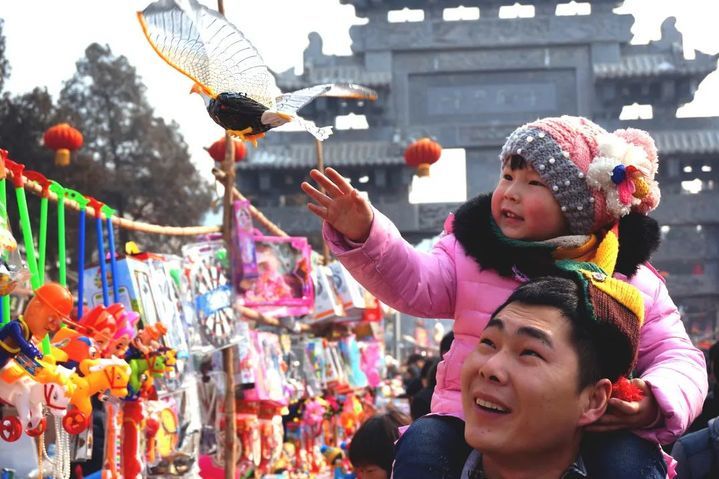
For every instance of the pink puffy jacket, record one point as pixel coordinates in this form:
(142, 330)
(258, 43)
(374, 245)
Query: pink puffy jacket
(446, 283)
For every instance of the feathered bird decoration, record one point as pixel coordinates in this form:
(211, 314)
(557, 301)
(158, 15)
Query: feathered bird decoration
(239, 91)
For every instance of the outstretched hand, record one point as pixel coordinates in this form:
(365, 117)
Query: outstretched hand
(629, 414)
(340, 204)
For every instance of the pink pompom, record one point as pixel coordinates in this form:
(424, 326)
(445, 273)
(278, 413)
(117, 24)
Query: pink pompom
(641, 139)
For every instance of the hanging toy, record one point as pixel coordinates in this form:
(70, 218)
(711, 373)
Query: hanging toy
(44, 314)
(98, 375)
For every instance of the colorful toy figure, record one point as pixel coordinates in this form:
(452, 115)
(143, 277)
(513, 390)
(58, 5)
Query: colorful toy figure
(44, 314)
(125, 332)
(98, 375)
(29, 397)
(146, 341)
(100, 325)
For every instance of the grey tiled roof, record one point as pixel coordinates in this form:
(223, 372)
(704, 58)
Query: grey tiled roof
(334, 74)
(304, 155)
(652, 65)
(690, 141)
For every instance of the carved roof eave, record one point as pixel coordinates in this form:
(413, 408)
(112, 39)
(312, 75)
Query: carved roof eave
(655, 65)
(344, 154)
(362, 6)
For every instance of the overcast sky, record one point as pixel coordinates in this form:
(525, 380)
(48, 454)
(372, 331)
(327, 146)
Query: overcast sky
(44, 39)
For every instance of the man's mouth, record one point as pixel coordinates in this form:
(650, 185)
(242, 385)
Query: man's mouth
(491, 406)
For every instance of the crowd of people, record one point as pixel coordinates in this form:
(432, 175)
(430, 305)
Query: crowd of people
(569, 358)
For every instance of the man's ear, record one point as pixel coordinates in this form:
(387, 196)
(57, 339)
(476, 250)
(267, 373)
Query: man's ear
(594, 399)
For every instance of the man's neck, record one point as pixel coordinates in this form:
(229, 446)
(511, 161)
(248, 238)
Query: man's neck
(543, 465)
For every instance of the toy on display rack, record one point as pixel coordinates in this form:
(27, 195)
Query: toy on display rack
(205, 266)
(244, 261)
(12, 269)
(327, 305)
(283, 284)
(45, 312)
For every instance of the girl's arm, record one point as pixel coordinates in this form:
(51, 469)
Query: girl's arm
(668, 362)
(413, 282)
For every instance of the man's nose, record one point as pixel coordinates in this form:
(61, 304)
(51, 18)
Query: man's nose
(492, 369)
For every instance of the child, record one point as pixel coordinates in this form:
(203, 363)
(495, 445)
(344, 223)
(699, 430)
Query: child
(371, 448)
(566, 186)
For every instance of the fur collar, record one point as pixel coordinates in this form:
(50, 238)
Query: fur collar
(481, 239)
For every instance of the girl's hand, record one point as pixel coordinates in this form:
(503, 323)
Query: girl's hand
(340, 204)
(629, 415)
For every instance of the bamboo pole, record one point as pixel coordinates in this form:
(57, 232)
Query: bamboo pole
(228, 354)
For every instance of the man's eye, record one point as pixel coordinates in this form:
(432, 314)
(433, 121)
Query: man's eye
(531, 352)
(487, 342)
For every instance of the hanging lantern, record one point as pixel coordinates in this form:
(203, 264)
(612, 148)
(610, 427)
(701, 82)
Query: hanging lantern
(63, 139)
(217, 150)
(421, 154)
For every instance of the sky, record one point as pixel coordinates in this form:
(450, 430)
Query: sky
(44, 39)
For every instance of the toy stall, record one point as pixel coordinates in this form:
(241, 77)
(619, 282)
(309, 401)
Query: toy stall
(138, 351)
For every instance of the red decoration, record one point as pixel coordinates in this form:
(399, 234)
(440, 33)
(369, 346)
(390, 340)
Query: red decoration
(625, 390)
(63, 139)
(421, 154)
(217, 150)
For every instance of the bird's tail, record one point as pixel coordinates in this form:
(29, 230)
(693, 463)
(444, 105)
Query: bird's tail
(320, 133)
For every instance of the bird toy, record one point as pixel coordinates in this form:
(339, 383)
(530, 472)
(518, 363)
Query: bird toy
(239, 91)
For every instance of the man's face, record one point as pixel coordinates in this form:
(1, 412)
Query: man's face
(519, 386)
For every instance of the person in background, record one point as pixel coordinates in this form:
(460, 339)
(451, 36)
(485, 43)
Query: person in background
(445, 344)
(419, 404)
(371, 450)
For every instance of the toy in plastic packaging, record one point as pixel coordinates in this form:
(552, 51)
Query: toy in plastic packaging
(283, 284)
(269, 372)
(328, 306)
(12, 269)
(350, 292)
(352, 358)
(205, 265)
(244, 260)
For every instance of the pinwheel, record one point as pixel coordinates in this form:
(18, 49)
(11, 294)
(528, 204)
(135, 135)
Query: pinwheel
(239, 91)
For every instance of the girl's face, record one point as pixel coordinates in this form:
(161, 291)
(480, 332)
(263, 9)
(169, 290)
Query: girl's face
(524, 207)
(371, 472)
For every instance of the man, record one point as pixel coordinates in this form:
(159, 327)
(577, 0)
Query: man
(542, 371)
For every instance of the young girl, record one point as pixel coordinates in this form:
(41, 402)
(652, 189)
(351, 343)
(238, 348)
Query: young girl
(566, 186)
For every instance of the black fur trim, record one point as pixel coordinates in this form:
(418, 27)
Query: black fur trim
(639, 237)
(474, 229)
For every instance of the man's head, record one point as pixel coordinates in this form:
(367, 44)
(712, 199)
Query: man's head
(568, 175)
(543, 368)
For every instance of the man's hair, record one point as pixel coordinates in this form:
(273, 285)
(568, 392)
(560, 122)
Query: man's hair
(373, 443)
(601, 347)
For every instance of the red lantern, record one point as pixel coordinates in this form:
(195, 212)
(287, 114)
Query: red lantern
(217, 150)
(421, 154)
(63, 139)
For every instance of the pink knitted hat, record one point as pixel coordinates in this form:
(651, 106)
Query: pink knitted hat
(596, 177)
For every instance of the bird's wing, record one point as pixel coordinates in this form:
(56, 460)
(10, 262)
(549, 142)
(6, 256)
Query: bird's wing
(292, 102)
(201, 44)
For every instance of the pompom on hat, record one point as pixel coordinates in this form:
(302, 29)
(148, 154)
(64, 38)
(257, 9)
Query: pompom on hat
(596, 177)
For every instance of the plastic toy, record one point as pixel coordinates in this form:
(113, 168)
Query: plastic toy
(98, 375)
(239, 91)
(29, 397)
(44, 314)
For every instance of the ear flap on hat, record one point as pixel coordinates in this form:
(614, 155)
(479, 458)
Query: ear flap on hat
(642, 139)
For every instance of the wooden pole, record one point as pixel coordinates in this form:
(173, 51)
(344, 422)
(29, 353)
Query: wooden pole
(321, 167)
(228, 354)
